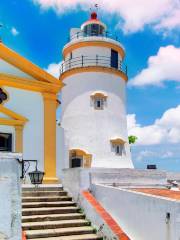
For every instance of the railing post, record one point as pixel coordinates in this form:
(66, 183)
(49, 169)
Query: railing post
(96, 60)
(77, 34)
(82, 60)
(126, 70)
(120, 66)
(69, 63)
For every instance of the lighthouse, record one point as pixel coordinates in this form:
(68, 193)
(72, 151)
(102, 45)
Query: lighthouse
(93, 116)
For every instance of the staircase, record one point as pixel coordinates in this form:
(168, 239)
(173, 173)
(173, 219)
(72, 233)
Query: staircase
(49, 213)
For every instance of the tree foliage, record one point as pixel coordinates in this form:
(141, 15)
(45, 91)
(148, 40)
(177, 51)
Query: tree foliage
(132, 139)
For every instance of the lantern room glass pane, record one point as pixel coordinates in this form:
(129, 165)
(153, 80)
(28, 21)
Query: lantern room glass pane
(93, 30)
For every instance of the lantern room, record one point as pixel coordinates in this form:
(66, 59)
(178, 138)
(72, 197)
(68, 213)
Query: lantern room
(93, 27)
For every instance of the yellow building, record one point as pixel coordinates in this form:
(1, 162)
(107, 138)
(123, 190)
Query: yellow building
(28, 104)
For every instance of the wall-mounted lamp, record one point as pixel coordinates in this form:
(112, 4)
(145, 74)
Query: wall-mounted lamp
(36, 176)
(168, 217)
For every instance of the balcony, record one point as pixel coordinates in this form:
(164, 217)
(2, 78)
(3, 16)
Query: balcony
(86, 61)
(82, 34)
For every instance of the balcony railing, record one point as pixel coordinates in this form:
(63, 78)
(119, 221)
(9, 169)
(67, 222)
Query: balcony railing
(82, 34)
(85, 61)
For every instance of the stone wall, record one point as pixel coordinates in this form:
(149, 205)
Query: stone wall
(79, 179)
(10, 197)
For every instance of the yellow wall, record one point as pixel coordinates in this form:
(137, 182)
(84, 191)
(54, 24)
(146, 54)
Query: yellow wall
(50, 106)
(19, 139)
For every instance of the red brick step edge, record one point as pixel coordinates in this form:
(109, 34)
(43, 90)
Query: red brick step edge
(105, 216)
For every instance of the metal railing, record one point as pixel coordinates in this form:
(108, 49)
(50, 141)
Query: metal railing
(82, 34)
(85, 61)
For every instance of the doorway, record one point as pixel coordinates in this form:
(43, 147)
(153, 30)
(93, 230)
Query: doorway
(76, 162)
(114, 59)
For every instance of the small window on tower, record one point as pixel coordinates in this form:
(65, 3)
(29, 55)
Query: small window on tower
(118, 146)
(98, 100)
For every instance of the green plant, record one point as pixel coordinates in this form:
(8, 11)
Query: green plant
(80, 210)
(132, 139)
(95, 230)
(88, 222)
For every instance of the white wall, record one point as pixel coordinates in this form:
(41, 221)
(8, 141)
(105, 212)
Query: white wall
(96, 39)
(89, 129)
(142, 217)
(77, 180)
(61, 151)
(10, 69)
(30, 105)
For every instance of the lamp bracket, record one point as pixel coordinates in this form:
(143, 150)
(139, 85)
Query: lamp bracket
(25, 168)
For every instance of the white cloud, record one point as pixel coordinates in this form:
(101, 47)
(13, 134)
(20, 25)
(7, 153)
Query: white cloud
(14, 31)
(153, 154)
(161, 14)
(54, 69)
(170, 22)
(164, 130)
(167, 154)
(145, 154)
(164, 66)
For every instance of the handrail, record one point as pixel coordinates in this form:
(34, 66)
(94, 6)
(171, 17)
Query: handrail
(87, 61)
(81, 34)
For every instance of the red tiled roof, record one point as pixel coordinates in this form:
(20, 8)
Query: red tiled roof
(159, 192)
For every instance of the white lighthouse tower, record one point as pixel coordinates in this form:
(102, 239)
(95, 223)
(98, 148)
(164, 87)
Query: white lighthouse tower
(94, 99)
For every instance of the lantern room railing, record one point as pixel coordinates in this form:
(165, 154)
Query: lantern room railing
(85, 61)
(82, 34)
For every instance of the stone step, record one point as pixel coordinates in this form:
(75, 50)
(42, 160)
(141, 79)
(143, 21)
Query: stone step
(34, 189)
(52, 217)
(74, 237)
(43, 193)
(48, 204)
(47, 233)
(46, 199)
(45, 211)
(55, 224)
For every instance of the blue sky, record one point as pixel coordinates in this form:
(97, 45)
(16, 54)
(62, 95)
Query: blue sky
(38, 30)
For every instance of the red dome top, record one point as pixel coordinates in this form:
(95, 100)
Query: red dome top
(93, 19)
(93, 15)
